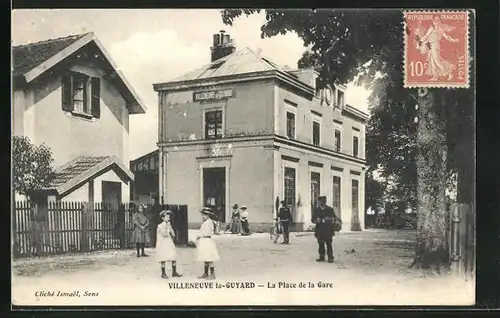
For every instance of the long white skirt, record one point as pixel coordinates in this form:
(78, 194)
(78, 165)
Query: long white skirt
(165, 249)
(206, 250)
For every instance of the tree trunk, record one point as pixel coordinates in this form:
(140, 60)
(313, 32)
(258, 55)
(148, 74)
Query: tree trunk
(431, 181)
(466, 178)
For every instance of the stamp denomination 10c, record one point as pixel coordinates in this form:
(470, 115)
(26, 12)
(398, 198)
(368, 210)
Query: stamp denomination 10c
(436, 49)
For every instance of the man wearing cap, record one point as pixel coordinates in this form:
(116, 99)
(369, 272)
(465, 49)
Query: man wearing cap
(323, 216)
(285, 219)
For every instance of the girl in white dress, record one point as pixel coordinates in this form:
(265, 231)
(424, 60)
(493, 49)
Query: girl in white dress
(165, 247)
(205, 247)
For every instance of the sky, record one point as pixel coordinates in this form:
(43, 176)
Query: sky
(157, 45)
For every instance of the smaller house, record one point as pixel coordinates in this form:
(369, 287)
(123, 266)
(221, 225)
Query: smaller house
(146, 183)
(70, 95)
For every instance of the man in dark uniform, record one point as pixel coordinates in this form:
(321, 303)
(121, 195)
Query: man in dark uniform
(323, 216)
(285, 219)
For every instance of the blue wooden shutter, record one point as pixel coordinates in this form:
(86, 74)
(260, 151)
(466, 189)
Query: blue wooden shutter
(96, 96)
(67, 92)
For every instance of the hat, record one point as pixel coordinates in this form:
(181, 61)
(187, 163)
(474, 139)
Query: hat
(165, 212)
(235, 207)
(207, 211)
(322, 198)
(243, 207)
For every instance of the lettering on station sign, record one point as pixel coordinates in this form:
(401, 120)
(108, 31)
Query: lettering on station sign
(213, 95)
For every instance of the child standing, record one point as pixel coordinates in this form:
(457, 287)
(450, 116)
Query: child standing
(165, 247)
(205, 247)
(140, 233)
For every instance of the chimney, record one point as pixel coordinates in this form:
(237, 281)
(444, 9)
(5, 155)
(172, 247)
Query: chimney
(308, 76)
(222, 46)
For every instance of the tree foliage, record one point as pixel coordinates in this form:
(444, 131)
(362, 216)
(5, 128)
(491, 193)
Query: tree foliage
(31, 166)
(367, 46)
(341, 42)
(374, 192)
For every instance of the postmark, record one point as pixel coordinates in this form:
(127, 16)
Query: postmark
(436, 49)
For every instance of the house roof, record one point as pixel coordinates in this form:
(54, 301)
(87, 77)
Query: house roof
(248, 63)
(239, 62)
(242, 62)
(32, 60)
(149, 154)
(29, 56)
(84, 168)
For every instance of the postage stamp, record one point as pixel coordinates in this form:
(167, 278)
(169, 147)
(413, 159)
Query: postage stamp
(436, 49)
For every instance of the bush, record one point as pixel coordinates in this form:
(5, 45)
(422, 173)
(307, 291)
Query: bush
(31, 166)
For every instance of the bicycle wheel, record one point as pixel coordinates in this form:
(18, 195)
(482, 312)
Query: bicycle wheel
(276, 237)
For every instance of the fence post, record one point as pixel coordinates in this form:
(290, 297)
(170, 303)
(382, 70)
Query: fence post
(455, 237)
(469, 241)
(85, 234)
(121, 225)
(182, 225)
(462, 240)
(14, 238)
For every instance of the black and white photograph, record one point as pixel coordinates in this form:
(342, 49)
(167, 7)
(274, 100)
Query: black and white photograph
(243, 157)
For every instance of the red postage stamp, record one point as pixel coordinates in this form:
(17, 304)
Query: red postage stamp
(436, 49)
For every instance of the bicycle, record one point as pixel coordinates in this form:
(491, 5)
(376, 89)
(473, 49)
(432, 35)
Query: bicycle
(275, 231)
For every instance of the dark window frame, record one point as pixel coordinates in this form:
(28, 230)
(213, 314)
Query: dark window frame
(337, 140)
(289, 176)
(213, 120)
(340, 101)
(337, 192)
(290, 125)
(316, 134)
(355, 194)
(80, 83)
(314, 180)
(355, 146)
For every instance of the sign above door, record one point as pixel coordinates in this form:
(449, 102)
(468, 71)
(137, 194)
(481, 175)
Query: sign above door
(213, 95)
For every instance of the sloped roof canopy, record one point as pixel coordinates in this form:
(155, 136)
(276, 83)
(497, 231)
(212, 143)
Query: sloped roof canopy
(32, 60)
(241, 64)
(80, 170)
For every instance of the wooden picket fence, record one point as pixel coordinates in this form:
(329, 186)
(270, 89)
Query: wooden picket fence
(73, 227)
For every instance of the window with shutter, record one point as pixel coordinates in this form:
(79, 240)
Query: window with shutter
(67, 92)
(95, 87)
(81, 95)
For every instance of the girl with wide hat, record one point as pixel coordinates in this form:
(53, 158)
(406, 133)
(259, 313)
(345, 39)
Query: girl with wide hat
(205, 247)
(140, 233)
(165, 247)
